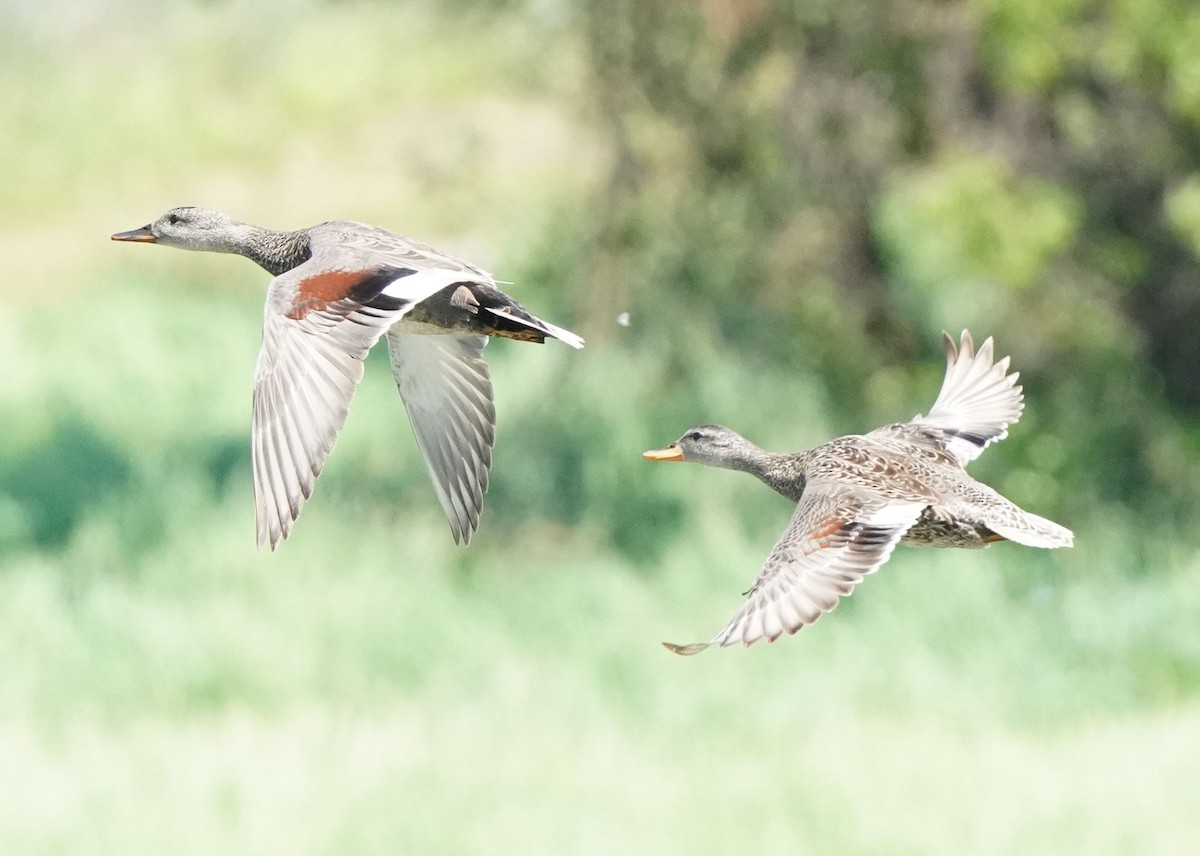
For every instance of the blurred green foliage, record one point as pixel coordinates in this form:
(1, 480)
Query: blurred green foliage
(759, 213)
(827, 186)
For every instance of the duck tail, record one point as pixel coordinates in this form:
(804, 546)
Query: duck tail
(515, 322)
(1031, 530)
(502, 316)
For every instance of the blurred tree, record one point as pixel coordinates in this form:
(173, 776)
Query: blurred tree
(825, 185)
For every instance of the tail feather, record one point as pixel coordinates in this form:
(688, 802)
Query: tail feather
(971, 500)
(517, 323)
(1031, 530)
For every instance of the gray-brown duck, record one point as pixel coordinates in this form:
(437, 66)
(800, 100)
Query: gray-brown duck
(858, 496)
(339, 288)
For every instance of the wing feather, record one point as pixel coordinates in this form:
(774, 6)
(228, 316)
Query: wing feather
(447, 391)
(831, 544)
(978, 400)
(309, 366)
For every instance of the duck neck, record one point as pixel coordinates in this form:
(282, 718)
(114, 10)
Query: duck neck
(779, 472)
(276, 252)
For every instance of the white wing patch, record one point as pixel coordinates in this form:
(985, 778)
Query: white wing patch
(423, 284)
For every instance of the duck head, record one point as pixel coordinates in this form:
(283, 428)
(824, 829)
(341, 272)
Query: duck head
(191, 229)
(714, 445)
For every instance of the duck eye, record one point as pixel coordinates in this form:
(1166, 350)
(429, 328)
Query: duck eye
(172, 219)
(695, 435)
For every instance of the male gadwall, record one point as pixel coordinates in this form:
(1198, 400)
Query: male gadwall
(338, 288)
(858, 496)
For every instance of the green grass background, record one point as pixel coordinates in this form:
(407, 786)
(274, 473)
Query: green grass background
(372, 689)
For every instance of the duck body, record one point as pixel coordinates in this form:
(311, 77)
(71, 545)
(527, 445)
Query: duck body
(961, 512)
(473, 306)
(858, 496)
(338, 288)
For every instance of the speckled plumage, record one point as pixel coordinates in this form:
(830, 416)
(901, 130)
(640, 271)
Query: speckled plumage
(339, 288)
(858, 496)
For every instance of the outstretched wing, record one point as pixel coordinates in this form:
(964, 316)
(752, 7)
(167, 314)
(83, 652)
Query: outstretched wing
(319, 323)
(831, 543)
(978, 401)
(447, 392)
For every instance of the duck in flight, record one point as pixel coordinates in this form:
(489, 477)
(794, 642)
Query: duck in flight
(858, 496)
(339, 288)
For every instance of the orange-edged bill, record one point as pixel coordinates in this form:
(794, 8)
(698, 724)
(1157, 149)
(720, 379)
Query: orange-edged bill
(671, 453)
(143, 234)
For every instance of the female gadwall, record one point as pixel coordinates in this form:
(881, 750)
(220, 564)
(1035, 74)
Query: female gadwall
(858, 496)
(339, 287)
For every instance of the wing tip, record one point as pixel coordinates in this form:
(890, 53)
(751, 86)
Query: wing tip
(463, 536)
(271, 541)
(686, 650)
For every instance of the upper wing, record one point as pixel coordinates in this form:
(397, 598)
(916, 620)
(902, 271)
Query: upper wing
(831, 543)
(447, 392)
(318, 325)
(977, 403)
(392, 248)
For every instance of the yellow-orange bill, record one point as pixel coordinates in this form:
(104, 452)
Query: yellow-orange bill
(671, 453)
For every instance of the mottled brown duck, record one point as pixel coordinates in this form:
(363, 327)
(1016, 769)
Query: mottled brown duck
(858, 496)
(339, 288)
